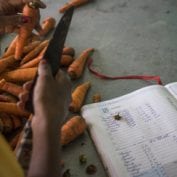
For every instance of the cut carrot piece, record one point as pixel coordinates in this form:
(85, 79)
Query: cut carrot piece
(47, 25)
(72, 129)
(35, 52)
(78, 96)
(76, 69)
(11, 88)
(20, 75)
(12, 108)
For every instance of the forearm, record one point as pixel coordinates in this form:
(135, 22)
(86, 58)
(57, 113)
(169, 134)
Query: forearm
(46, 152)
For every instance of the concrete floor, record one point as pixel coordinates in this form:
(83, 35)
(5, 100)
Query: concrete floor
(131, 37)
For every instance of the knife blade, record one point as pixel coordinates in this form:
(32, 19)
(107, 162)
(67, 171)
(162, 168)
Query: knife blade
(53, 52)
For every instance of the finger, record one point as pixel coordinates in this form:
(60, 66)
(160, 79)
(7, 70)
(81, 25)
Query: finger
(21, 105)
(28, 85)
(24, 96)
(42, 5)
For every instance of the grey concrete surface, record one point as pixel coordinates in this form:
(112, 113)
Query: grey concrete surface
(131, 37)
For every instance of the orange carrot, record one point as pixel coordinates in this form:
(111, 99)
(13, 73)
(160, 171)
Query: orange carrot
(35, 52)
(6, 62)
(35, 37)
(25, 30)
(69, 51)
(9, 123)
(17, 121)
(96, 98)
(76, 69)
(6, 123)
(8, 98)
(11, 49)
(78, 96)
(11, 88)
(71, 3)
(20, 75)
(31, 46)
(66, 60)
(72, 129)
(12, 108)
(47, 25)
(34, 62)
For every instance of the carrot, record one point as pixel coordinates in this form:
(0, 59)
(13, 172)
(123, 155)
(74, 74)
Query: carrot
(47, 25)
(76, 69)
(20, 75)
(17, 121)
(26, 29)
(72, 129)
(6, 123)
(31, 46)
(35, 37)
(66, 60)
(12, 108)
(71, 3)
(6, 62)
(11, 88)
(78, 96)
(11, 49)
(9, 123)
(35, 52)
(34, 62)
(96, 98)
(69, 51)
(7, 98)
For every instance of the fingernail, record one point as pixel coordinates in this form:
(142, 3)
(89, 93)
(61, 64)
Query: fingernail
(44, 62)
(25, 19)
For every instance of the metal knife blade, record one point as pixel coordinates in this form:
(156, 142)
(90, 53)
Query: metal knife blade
(53, 52)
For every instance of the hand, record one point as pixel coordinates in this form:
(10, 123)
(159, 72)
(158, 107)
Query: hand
(51, 97)
(9, 19)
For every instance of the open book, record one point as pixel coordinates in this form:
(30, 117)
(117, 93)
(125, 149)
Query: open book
(143, 143)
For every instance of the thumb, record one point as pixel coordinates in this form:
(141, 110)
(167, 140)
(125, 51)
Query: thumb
(44, 69)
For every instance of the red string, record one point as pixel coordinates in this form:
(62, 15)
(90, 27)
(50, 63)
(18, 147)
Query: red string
(102, 76)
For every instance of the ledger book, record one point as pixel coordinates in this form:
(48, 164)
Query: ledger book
(143, 143)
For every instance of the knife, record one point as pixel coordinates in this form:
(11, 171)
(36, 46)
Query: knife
(53, 52)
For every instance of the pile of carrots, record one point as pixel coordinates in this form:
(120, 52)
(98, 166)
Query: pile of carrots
(14, 73)
(19, 63)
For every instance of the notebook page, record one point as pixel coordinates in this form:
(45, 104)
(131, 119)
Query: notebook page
(172, 88)
(144, 142)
